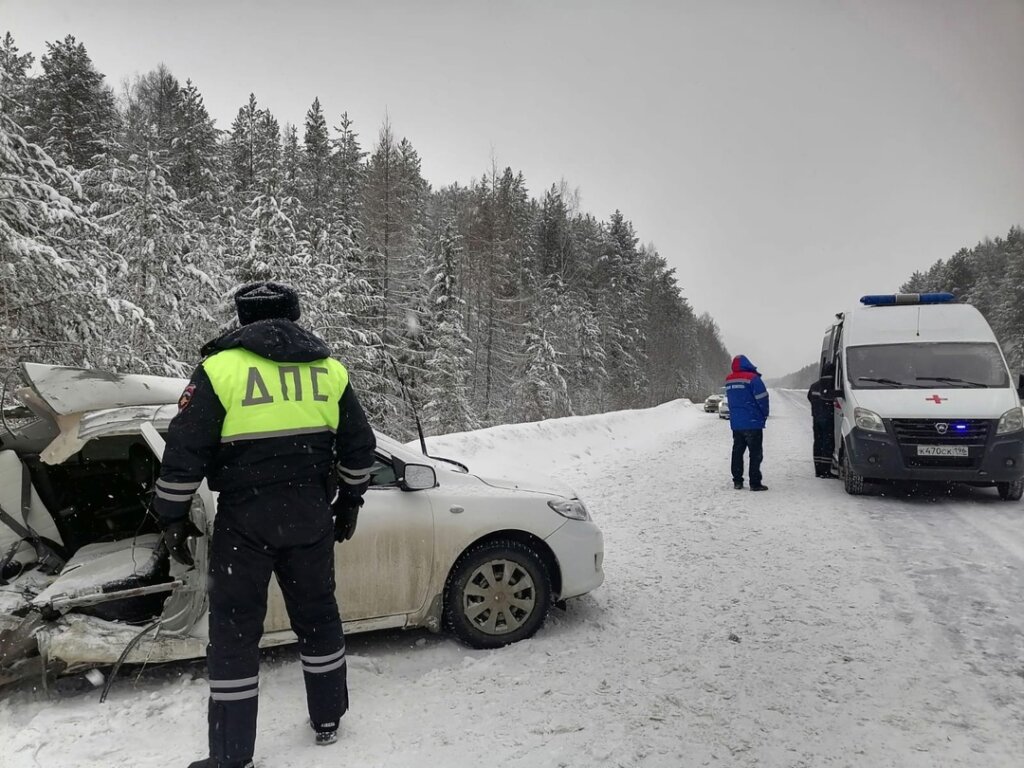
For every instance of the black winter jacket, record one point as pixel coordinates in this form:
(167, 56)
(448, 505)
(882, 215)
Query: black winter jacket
(194, 448)
(822, 408)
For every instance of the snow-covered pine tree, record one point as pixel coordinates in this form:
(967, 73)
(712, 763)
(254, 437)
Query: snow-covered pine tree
(350, 307)
(317, 188)
(262, 241)
(350, 178)
(151, 106)
(393, 210)
(621, 296)
(254, 149)
(541, 387)
(14, 81)
(266, 245)
(194, 160)
(585, 372)
(445, 385)
(154, 277)
(1008, 317)
(497, 269)
(71, 111)
(291, 164)
(52, 289)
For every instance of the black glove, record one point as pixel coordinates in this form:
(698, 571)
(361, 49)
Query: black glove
(346, 514)
(176, 536)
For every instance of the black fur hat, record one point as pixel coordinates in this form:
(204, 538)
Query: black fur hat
(266, 301)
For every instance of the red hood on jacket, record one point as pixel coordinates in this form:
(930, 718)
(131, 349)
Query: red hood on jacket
(742, 368)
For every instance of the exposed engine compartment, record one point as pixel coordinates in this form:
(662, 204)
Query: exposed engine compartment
(117, 568)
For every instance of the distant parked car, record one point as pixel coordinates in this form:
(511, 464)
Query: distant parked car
(711, 403)
(723, 409)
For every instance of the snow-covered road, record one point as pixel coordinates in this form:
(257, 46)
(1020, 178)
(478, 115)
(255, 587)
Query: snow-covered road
(800, 627)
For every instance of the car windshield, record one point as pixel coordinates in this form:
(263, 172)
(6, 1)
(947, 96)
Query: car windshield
(941, 365)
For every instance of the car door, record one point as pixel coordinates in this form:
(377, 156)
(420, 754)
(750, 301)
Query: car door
(384, 569)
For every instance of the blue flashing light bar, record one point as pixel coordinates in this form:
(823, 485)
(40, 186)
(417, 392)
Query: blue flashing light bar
(894, 299)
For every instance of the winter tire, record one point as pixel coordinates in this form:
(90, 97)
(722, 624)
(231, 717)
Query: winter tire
(1012, 491)
(853, 483)
(497, 593)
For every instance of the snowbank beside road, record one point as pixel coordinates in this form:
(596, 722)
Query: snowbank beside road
(568, 444)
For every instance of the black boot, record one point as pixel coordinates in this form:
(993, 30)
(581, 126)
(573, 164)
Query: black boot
(759, 487)
(737, 484)
(211, 763)
(325, 734)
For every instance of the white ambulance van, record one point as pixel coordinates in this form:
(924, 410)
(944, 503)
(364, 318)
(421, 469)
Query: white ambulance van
(922, 393)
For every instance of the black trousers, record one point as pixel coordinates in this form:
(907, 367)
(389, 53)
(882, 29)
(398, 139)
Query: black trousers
(744, 440)
(824, 444)
(287, 531)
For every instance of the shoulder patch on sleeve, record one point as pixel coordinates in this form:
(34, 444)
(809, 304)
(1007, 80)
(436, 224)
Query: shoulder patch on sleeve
(186, 397)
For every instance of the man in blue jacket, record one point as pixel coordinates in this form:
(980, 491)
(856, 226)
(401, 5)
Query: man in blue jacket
(748, 412)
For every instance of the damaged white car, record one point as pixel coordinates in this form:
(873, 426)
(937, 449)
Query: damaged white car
(86, 580)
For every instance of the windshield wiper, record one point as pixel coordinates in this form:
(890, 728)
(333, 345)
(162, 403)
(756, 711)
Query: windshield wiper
(888, 382)
(953, 380)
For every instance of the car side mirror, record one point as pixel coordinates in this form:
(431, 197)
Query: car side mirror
(417, 477)
(1020, 386)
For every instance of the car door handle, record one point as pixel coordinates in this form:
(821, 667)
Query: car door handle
(457, 510)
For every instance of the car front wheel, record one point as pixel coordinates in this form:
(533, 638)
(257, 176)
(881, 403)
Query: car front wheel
(497, 593)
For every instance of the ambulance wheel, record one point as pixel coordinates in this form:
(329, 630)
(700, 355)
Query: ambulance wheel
(853, 483)
(1012, 491)
(498, 592)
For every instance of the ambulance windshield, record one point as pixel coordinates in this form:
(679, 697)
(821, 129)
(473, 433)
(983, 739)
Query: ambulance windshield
(943, 365)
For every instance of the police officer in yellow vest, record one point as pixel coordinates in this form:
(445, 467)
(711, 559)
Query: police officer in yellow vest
(273, 423)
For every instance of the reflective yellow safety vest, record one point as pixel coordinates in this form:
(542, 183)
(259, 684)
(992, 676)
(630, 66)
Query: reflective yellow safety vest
(263, 398)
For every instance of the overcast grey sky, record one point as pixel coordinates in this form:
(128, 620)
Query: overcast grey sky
(785, 157)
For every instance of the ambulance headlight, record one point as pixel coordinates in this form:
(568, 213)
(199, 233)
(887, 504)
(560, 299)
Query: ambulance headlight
(867, 420)
(1011, 421)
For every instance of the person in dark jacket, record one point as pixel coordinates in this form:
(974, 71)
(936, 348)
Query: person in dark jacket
(748, 413)
(270, 420)
(823, 422)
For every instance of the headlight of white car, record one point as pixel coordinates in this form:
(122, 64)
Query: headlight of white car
(574, 509)
(867, 420)
(1011, 421)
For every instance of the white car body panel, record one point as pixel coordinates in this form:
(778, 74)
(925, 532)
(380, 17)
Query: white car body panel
(77, 390)
(535, 484)
(579, 575)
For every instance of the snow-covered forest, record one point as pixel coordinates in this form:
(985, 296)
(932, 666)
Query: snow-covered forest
(127, 218)
(991, 277)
